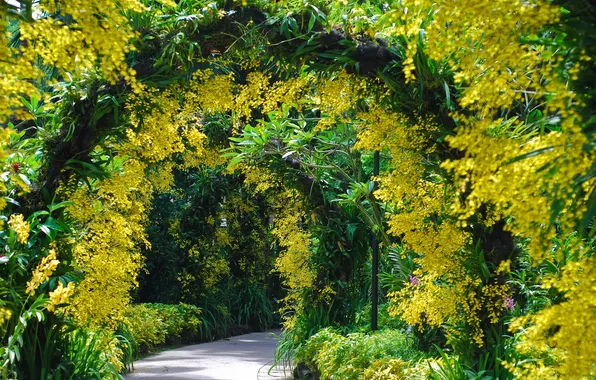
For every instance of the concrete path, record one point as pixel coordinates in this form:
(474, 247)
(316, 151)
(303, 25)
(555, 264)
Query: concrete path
(244, 357)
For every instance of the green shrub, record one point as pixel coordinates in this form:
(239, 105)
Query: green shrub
(215, 321)
(348, 357)
(181, 322)
(396, 369)
(90, 355)
(150, 325)
(253, 306)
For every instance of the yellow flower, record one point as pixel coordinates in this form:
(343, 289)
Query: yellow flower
(60, 295)
(43, 271)
(504, 267)
(5, 315)
(20, 226)
(98, 36)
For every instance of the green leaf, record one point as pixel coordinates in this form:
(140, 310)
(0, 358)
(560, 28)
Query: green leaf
(25, 179)
(26, 103)
(447, 94)
(236, 160)
(311, 22)
(45, 229)
(51, 223)
(56, 206)
(37, 214)
(12, 201)
(530, 154)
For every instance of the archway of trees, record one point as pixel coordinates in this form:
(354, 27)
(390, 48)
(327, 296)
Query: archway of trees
(218, 156)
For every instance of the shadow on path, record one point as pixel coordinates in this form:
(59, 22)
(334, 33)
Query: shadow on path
(244, 357)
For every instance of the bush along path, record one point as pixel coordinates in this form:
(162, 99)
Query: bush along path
(243, 357)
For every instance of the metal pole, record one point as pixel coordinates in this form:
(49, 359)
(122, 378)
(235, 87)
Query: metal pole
(375, 261)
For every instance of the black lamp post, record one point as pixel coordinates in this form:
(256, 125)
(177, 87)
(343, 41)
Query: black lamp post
(375, 260)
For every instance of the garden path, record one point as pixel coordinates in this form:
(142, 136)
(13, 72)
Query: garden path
(244, 357)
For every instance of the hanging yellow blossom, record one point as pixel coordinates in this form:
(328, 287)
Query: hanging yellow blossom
(20, 226)
(97, 36)
(573, 337)
(60, 295)
(108, 249)
(43, 271)
(5, 315)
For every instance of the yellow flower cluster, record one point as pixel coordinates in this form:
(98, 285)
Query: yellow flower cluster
(573, 339)
(492, 76)
(113, 214)
(449, 302)
(445, 291)
(524, 188)
(97, 36)
(293, 264)
(60, 295)
(14, 71)
(20, 226)
(158, 137)
(43, 271)
(337, 95)
(508, 165)
(196, 153)
(252, 95)
(494, 296)
(289, 93)
(5, 315)
(396, 133)
(108, 249)
(174, 126)
(256, 178)
(213, 268)
(211, 93)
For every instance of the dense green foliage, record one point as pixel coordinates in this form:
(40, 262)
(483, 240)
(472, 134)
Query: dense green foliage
(210, 244)
(150, 325)
(356, 356)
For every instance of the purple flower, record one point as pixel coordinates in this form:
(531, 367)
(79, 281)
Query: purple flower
(509, 303)
(414, 280)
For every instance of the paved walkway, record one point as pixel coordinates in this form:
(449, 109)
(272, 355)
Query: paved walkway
(244, 357)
